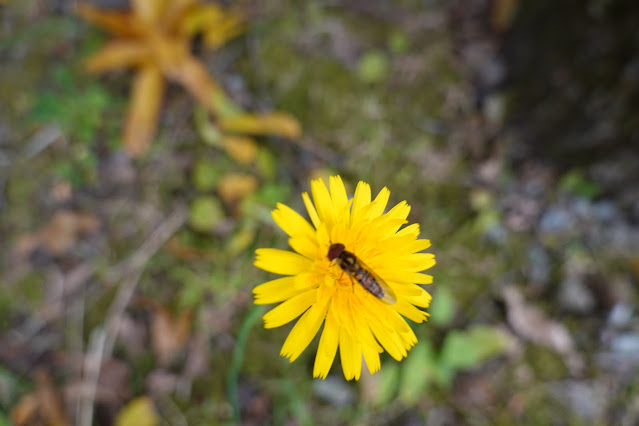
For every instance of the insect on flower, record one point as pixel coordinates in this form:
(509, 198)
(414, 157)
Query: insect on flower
(358, 271)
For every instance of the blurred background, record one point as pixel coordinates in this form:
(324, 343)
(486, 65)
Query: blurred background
(144, 144)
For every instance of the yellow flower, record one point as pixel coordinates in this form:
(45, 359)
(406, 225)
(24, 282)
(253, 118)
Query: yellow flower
(355, 319)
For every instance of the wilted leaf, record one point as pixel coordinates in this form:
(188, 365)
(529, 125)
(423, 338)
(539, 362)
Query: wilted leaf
(118, 54)
(274, 123)
(235, 186)
(205, 213)
(241, 148)
(139, 412)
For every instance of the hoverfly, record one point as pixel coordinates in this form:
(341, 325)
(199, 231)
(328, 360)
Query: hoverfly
(358, 271)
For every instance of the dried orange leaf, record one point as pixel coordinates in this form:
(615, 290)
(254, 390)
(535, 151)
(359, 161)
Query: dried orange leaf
(119, 54)
(142, 117)
(119, 23)
(150, 11)
(139, 412)
(274, 123)
(235, 186)
(218, 25)
(242, 149)
(44, 406)
(196, 79)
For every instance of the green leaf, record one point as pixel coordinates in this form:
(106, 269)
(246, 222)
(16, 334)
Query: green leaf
(206, 175)
(205, 213)
(459, 350)
(442, 307)
(488, 341)
(387, 384)
(418, 371)
(373, 67)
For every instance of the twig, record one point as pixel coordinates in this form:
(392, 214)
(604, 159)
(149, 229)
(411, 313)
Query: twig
(101, 345)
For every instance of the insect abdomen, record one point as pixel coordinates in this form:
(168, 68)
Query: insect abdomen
(368, 282)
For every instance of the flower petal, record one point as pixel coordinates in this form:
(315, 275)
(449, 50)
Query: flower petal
(282, 262)
(287, 311)
(350, 352)
(327, 347)
(338, 193)
(276, 291)
(361, 198)
(292, 222)
(371, 357)
(305, 246)
(312, 213)
(410, 311)
(323, 202)
(305, 329)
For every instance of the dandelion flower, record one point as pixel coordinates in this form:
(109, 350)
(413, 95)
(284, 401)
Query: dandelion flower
(315, 288)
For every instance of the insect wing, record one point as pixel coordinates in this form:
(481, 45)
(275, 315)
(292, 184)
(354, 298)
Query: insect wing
(389, 295)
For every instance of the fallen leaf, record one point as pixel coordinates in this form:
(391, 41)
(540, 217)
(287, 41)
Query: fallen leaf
(531, 324)
(241, 148)
(155, 37)
(139, 412)
(60, 234)
(235, 186)
(169, 333)
(274, 123)
(42, 407)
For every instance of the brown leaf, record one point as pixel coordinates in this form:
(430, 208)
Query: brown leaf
(149, 11)
(235, 186)
(42, 407)
(169, 333)
(274, 123)
(60, 234)
(531, 324)
(141, 122)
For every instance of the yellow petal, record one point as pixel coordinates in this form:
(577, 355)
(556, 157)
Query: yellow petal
(350, 353)
(379, 203)
(277, 290)
(361, 198)
(305, 246)
(289, 310)
(400, 211)
(410, 311)
(292, 222)
(371, 357)
(322, 201)
(305, 329)
(282, 262)
(338, 193)
(327, 348)
(142, 117)
(312, 213)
